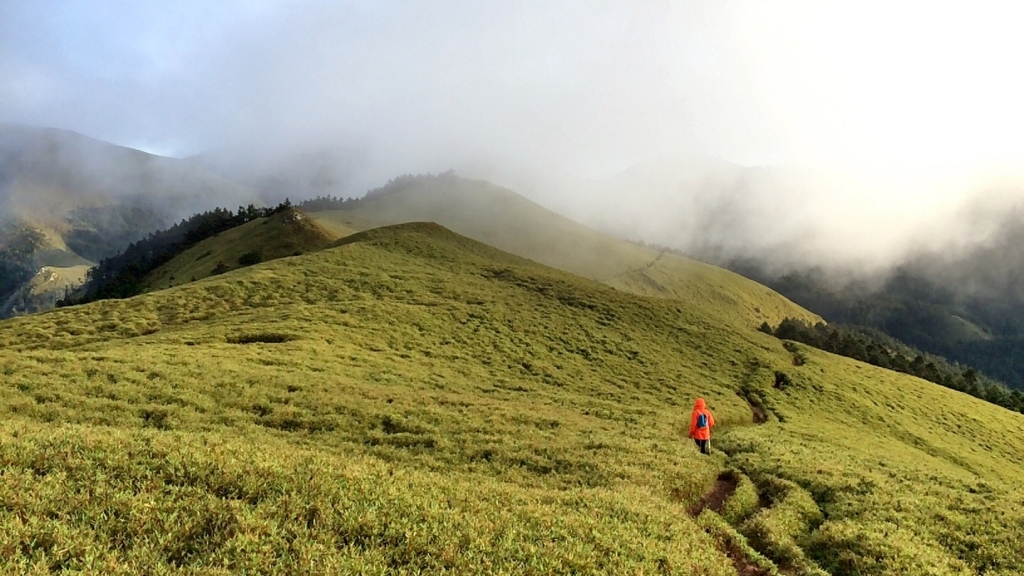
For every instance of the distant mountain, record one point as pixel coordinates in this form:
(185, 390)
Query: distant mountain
(965, 302)
(67, 200)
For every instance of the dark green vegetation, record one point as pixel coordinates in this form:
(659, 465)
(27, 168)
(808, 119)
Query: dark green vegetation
(190, 250)
(965, 305)
(17, 265)
(413, 401)
(884, 351)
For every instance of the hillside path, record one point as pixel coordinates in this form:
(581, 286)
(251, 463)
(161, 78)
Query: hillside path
(714, 500)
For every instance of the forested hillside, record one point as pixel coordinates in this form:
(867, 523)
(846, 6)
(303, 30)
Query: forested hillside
(939, 313)
(123, 275)
(871, 346)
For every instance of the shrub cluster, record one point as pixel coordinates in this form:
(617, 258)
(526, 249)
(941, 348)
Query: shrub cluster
(262, 338)
(250, 258)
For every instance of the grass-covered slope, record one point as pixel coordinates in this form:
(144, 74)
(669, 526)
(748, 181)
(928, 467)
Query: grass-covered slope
(501, 218)
(286, 233)
(414, 401)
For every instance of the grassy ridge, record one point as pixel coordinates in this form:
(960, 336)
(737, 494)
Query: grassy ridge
(499, 217)
(285, 233)
(413, 400)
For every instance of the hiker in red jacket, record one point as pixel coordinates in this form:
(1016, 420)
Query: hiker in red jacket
(701, 422)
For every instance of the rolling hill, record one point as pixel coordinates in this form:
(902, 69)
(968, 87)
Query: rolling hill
(501, 218)
(482, 211)
(286, 233)
(413, 401)
(77, 200)
(496, 216)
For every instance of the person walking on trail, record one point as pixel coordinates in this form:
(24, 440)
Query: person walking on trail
(701, 422)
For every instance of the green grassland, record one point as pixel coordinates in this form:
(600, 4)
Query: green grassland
(412, 401)
(286, 233)
(501, 218)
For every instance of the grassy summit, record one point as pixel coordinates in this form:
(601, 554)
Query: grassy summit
(411, 400)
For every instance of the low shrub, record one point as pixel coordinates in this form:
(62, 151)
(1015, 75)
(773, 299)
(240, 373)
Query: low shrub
(250, 258)
(743, 503)
(262, 338)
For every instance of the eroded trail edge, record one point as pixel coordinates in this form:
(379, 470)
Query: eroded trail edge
(714, 500)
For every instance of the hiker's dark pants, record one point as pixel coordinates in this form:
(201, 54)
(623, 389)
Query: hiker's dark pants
(704, 445)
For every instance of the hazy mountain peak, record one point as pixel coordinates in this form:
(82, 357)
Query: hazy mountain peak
(88, 199)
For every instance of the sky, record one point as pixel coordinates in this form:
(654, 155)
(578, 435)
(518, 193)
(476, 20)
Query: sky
(901, 111)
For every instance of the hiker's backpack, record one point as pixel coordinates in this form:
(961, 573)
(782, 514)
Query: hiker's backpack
(702, 420)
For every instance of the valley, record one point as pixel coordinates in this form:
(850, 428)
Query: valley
(67, 201)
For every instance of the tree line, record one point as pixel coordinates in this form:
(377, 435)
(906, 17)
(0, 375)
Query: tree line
(886, 352)
(321, 203)
(121, 275)
(948, 319)
(907, 305)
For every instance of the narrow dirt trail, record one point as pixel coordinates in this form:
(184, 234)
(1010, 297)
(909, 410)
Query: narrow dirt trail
(629, 271)
(714, 500)
(743, 566)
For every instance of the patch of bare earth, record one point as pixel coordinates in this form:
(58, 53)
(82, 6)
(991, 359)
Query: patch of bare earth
(715, 499)
(760, 416)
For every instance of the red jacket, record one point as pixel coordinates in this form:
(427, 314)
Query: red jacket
(701, 433)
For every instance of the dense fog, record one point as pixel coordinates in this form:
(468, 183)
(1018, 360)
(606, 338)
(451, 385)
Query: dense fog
(795, 132)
